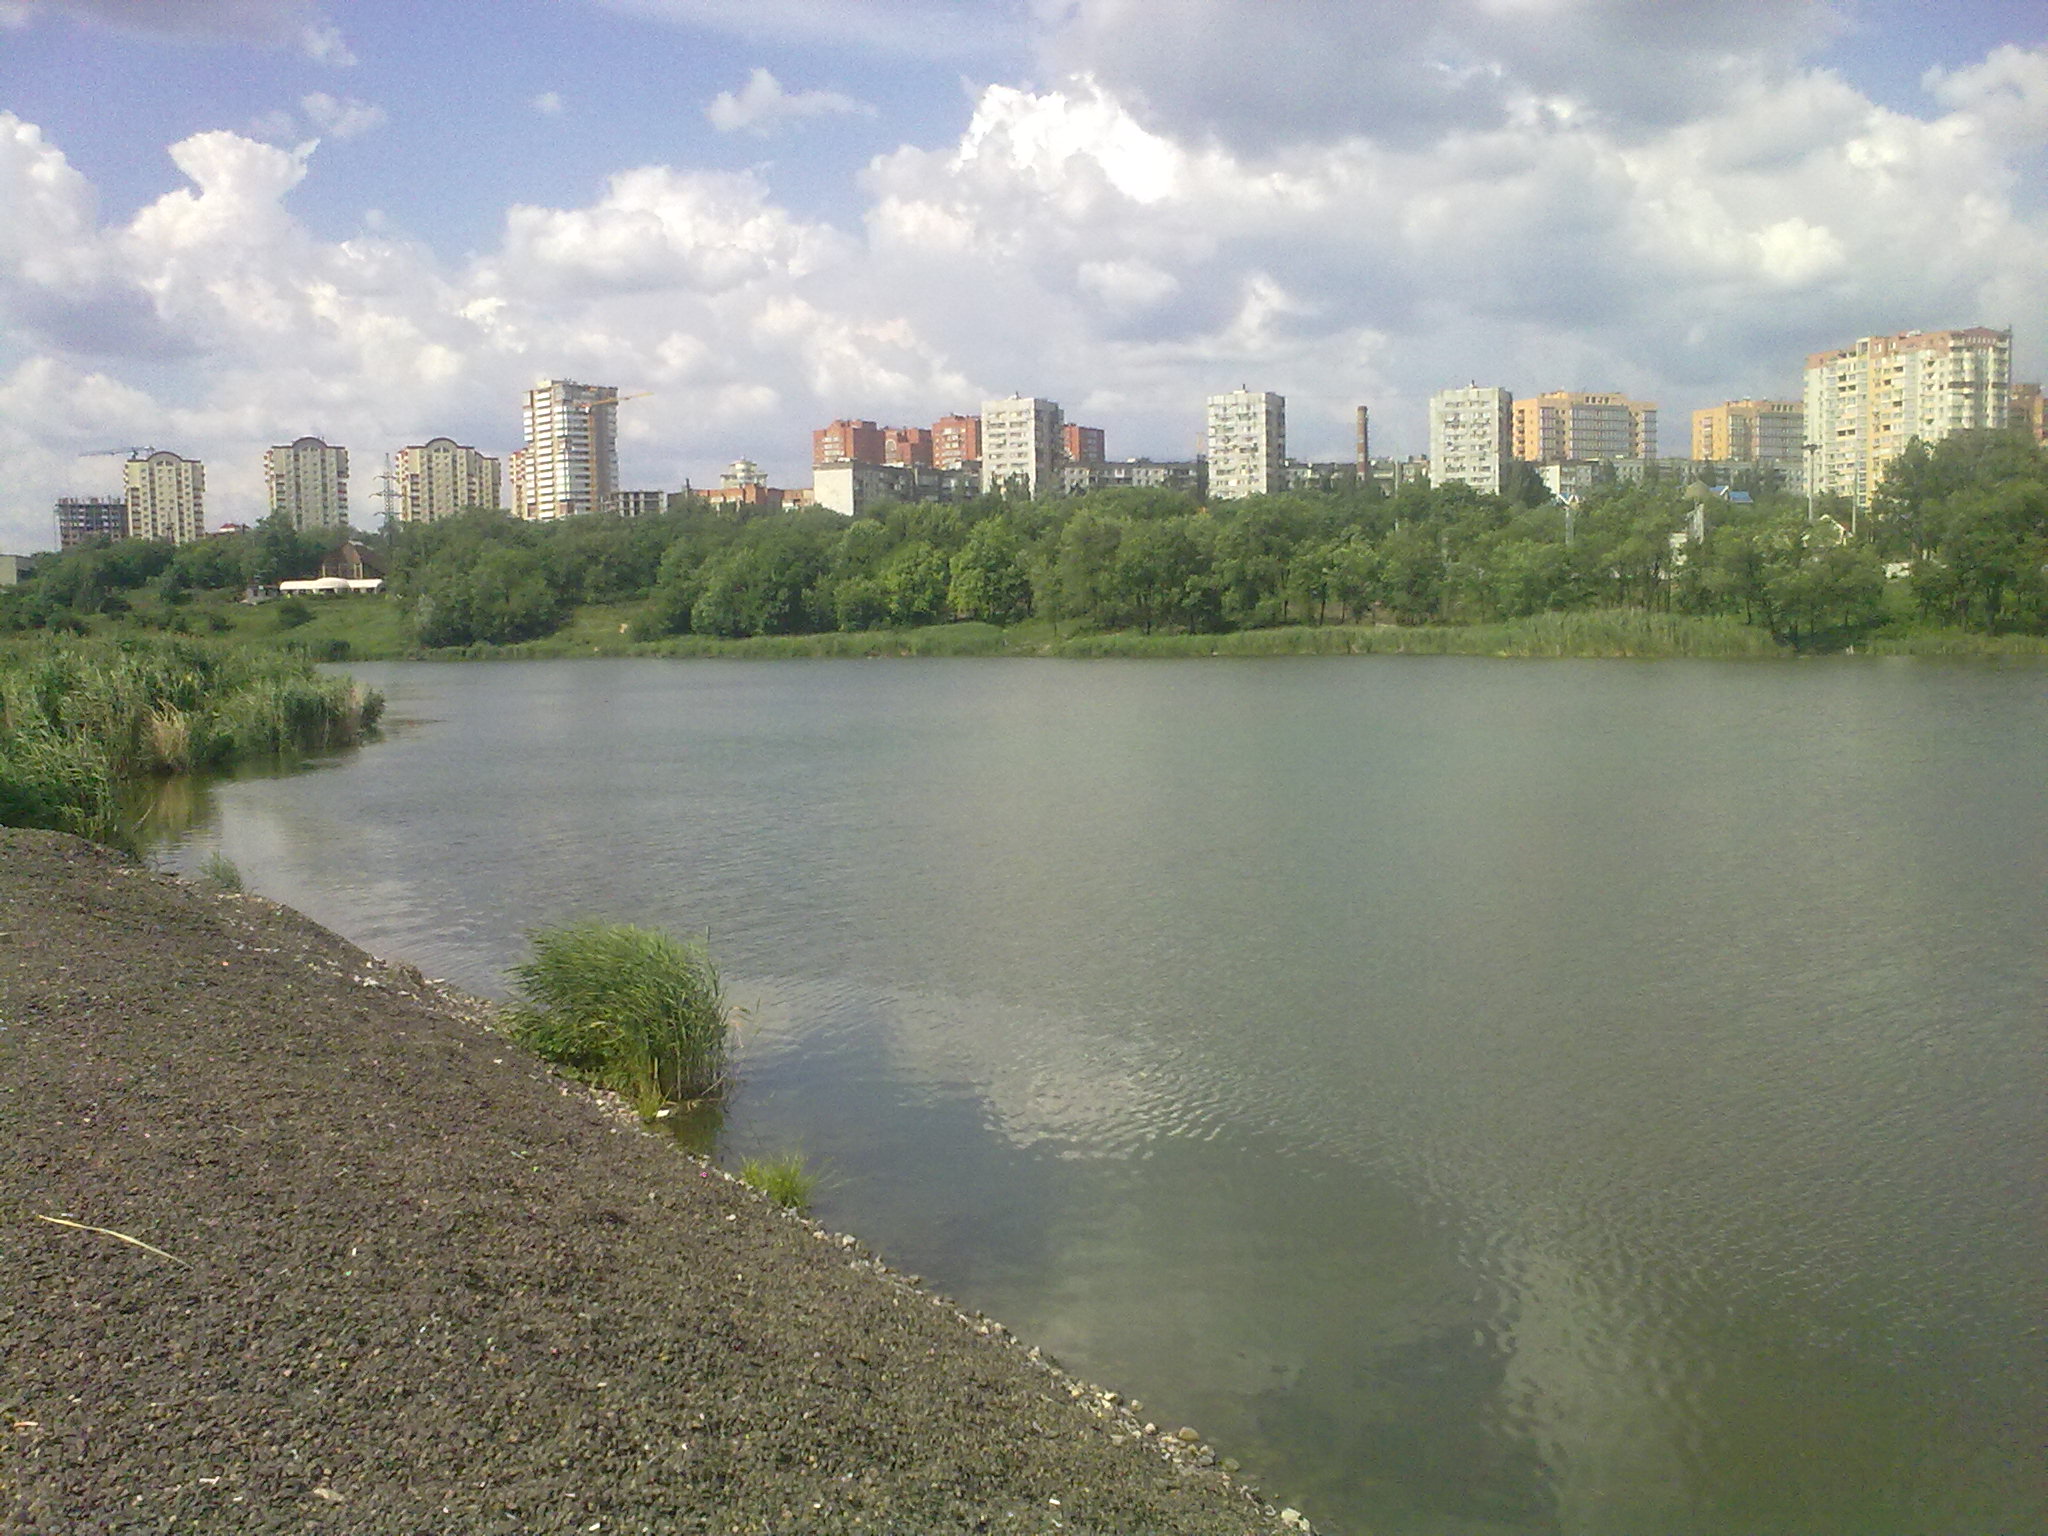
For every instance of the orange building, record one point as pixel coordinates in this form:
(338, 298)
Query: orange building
(1563, 425)
(860, 441)
(956, 440)
(907, 445)
(1750, 430)
(1083, 445)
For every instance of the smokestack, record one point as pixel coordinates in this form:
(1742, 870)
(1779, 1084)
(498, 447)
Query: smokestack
(1364, 445)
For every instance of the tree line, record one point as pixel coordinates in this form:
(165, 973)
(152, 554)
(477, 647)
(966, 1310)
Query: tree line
(1959, 531)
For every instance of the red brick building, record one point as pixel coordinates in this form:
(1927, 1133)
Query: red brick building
(860, 441)
(1083, 445)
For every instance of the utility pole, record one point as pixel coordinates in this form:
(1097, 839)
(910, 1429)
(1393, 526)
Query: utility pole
(387, 492)
(1811, 450)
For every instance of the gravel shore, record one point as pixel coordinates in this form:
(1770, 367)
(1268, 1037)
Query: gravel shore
(291, 1241)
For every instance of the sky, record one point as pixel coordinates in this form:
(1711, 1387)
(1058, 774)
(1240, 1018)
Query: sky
(226, 224)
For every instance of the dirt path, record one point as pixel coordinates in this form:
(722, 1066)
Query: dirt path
(408, 1282)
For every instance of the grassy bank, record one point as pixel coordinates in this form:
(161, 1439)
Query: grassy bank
(375, 629)
(83, 720)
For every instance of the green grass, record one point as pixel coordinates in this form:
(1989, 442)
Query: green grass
(1912, 640)
(83, 720)
(1619, 632)
(627, 1008)
(221, 872)
(786, 1179)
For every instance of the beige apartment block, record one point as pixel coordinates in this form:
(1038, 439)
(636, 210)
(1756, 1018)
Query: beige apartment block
(1246, 438)
(166, 497)
(571, 463)
(1563, 426)
(441, 477)
(1750, 431)
(307, 482)
(1471, 437)
(1021, 444)
(1865, 403)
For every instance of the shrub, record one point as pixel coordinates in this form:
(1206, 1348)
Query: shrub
(627, 1008)
(786, 1179)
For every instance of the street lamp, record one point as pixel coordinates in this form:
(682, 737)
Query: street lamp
(1811, 450)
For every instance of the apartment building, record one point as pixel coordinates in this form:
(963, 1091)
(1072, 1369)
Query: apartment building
(571, 463)
(166, 497)
(1083, 445)
(858, 441)
(907, 445)
(306, 482)
(636, 503)
(1866, 402)
(1149, 474)
(1245, 439)
(82, 519)
(2029, 411)
(441, 477)
(1563, 425)
(1750, 432)
(1021, 441)
(956, 442)
(1471, 437)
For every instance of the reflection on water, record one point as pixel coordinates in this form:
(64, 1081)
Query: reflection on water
(1485, 1098)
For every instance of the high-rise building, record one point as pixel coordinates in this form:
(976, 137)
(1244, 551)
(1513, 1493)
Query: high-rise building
(307, 483)
(82, 519)
(1083, 445)
(572, 450)
(1865, 403)
(859, 442)
(166, 497)
(2029, 411)
(956, 442)
(1020, 445)
(1565, 425)
(1750, 432)
(440, 477)
(910, 446)
(1471, 435)
(1246, 443)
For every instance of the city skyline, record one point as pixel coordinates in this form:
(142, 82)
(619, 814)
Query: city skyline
(290, 228)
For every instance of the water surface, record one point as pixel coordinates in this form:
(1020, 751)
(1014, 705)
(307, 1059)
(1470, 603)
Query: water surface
(1483, 1097)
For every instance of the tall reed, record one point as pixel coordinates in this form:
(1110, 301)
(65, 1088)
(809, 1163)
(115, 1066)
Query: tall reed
(80, 719)
(628, 1008)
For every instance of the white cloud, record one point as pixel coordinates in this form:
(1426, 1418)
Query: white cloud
(762, 106)
(1073, 241)
(341, 117)
(270, 23)
(322, 42)
(548, 104)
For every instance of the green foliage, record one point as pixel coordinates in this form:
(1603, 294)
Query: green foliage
(221, 872)
(292, 612)
(628, 1008)
(786, 1179)
(79, 720)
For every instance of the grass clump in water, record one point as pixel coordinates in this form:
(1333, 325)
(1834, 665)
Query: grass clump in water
(785, 1179)
(627, 1008)
(221, 872)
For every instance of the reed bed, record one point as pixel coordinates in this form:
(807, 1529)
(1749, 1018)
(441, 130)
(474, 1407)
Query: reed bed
(630, 1009)
(81, 720)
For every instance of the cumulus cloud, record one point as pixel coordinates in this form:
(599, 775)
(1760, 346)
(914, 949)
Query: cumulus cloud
(1071, 241)
(762, 106)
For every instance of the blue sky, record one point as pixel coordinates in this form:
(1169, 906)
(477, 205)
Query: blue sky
(228, 223)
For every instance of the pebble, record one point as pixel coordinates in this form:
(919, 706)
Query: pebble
(1187, 1436)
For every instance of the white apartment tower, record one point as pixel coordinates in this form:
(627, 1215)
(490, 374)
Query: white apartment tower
(1470, 432)
(307, 481)
(166, 497)
(440, 477)
(571, 462)
(1247, 445)
(1020, 445)
(1865, 403)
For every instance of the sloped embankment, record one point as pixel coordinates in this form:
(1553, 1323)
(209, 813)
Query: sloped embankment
(401, 1280)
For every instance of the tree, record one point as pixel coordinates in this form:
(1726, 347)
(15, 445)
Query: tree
(987, 575)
